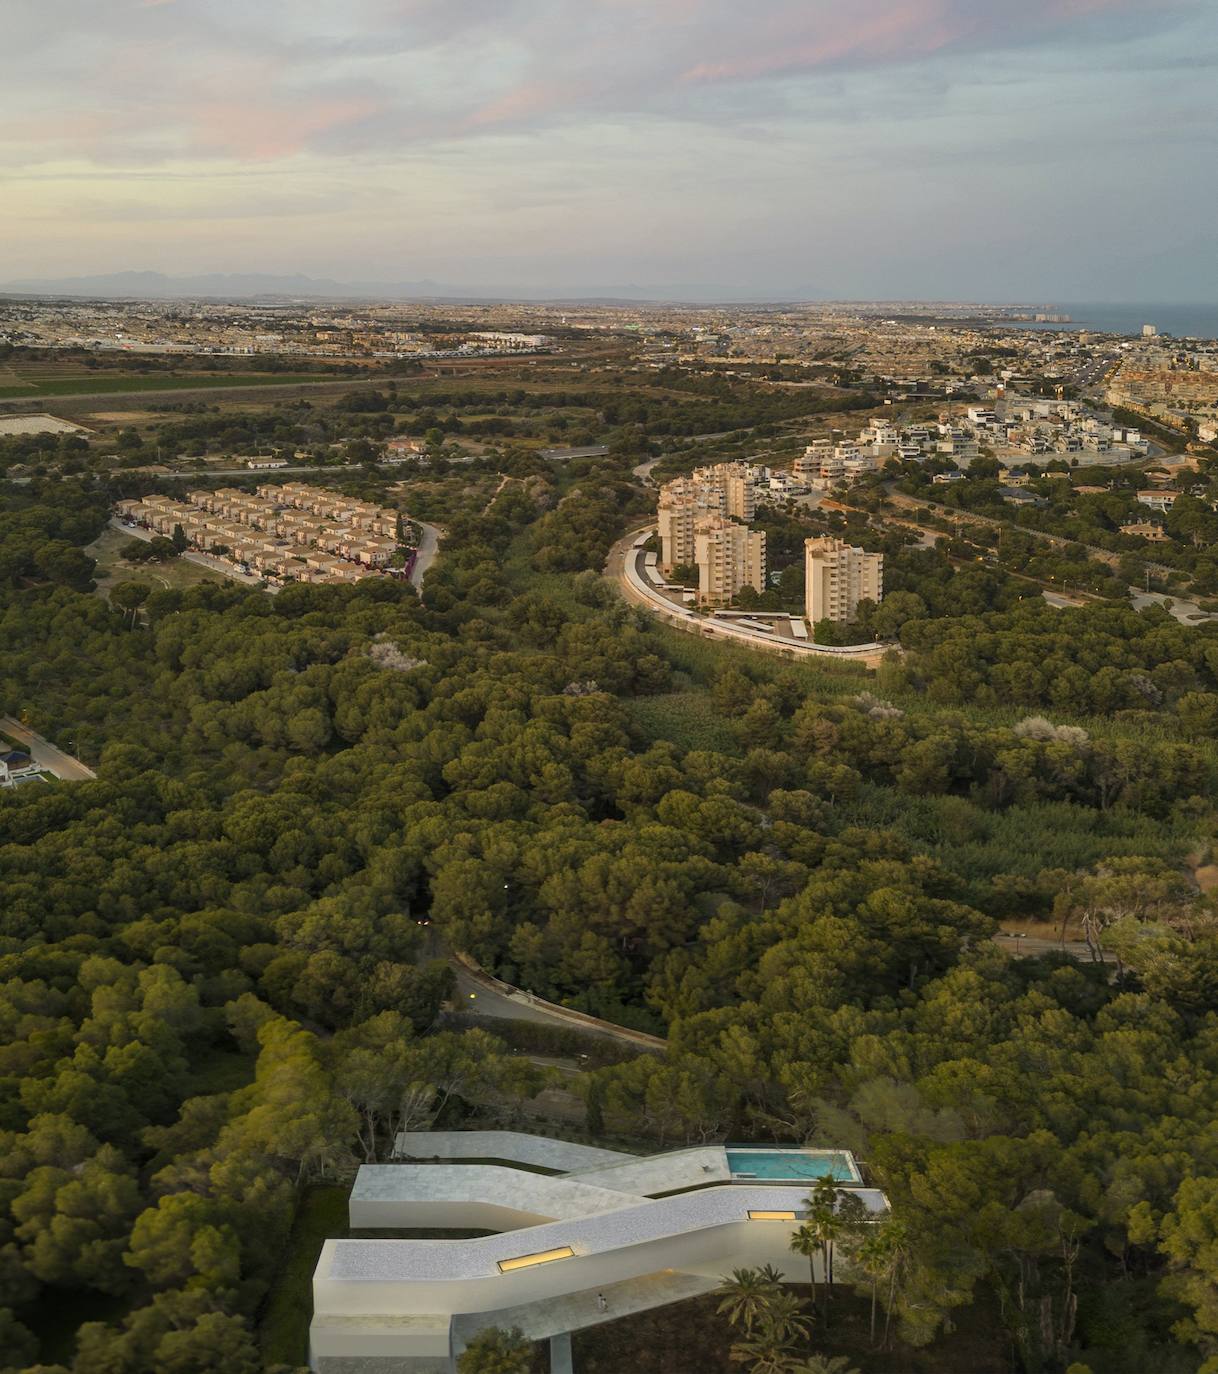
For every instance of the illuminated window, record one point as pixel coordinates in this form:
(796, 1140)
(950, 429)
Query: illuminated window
(771, 1216)
(541, 1257)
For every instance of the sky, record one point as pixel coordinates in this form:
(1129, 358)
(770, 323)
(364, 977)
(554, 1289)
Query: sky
(1005, 150)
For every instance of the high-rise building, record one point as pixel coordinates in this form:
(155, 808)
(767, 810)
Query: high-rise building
(725, 489)
(729, 556)
(838, 577)
(681, 502)
(735, 484)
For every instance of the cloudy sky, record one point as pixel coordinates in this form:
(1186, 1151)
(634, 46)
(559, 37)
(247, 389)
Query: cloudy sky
(983, 149)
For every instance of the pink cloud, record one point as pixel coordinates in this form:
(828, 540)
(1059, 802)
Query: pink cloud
(529, 98)
(629, 54)
(260, 130)
(802, 37)
(275, 77)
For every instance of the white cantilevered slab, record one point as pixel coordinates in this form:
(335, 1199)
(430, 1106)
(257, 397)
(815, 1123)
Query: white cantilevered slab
(578, 1311)
(604, 1242)
(430, 1261)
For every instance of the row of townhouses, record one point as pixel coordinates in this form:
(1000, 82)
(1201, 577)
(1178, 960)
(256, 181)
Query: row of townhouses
(282, 543)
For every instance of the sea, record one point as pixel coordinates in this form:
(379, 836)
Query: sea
(1179, 321)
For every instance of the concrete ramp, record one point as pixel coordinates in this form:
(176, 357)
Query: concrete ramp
(513, 1147)
(488, 1197)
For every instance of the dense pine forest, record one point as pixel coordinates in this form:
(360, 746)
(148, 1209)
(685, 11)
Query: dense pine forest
(220, 971)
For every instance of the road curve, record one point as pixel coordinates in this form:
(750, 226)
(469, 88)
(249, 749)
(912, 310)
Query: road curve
(478, 993)
(622, 567)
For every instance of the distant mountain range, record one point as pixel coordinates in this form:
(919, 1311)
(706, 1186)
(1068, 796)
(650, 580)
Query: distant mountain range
(263, 286)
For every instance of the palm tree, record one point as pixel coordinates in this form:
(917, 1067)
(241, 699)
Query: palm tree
(763, 1355)
(785, 1319)
(769, 1348)
(806, 1242)
(748, 1293)
(822, 1228)
(871, 1256)
(895, 1238)
(877, 1251)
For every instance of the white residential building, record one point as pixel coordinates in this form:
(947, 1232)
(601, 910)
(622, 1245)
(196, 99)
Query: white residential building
(599, 1236)
(729, 556)
(837, 577)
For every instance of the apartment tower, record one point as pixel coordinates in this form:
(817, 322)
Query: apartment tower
(838, 577)
(731, 488)
(676, 512)
(729, 556)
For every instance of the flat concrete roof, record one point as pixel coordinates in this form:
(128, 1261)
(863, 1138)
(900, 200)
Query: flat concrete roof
(38, 424)
(664, 1173)
(500, 1185)
(429, 1261)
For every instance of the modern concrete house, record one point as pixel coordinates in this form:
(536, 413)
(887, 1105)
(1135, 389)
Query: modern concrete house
(598, 1236)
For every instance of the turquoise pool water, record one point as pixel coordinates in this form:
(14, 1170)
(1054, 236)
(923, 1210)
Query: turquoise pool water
(792, 1165)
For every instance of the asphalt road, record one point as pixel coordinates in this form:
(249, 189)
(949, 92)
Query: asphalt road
(1186, 612)
(429, 546)
(624, 567)
(1028, 946)
(45, 754)
(482, 996)
(477, 999)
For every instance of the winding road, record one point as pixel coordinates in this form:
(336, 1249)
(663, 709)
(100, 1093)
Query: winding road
(429, 547)
(478, 993)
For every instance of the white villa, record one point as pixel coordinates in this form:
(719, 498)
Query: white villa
(598, 1236)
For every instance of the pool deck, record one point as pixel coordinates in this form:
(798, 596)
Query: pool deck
(768, 1162)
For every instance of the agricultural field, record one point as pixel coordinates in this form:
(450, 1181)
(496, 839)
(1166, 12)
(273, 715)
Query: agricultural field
(35, 380)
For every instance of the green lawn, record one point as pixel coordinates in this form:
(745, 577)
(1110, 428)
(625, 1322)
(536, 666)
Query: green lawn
(176, 573)
(87, 385)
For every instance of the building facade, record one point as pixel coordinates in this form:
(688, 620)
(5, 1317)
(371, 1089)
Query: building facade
(730, 488)
(681, 503)
(726, 489)
(729, 556)
(839, 576)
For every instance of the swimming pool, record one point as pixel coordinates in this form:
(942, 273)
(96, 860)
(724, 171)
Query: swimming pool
(793, 1166)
